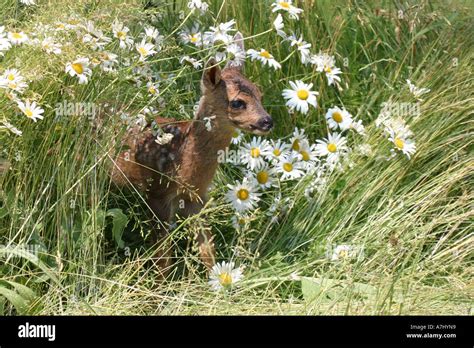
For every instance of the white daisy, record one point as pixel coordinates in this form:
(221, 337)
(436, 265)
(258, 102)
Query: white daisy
(80, 69)
(108, 61)
(326, 63)
(290, 167)
(94, 38)
(277, 148)
(288, 7)
(94, 42)
(28, 2)
(31, 110)
(341, 252)
(192, 36)
(317, 184)
(297, 138)
(398, 125)
(219, 35)
(13, 80)
(199, 5)
(224, 275)
(402, 142)
(332, 147)
(11, 128)
(264, 176)
(243, 195)
(153, 34)
(357, 126)
(338, 118)
(5, 44)
(121, 32)
(278, 25)
(300, 96)
(307, 156)
(236, 55)
(17, 37)
(332, 75)
(253, 153)
(49, 46)
(145, 49)
(152, 88)
(240, 221)
(265, 57)
(196, 64)
(237, 136)
(302, 46)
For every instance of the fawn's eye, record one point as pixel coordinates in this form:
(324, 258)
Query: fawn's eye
(237, 104)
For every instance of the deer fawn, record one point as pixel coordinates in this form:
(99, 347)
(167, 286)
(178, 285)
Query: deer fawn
(178, 174)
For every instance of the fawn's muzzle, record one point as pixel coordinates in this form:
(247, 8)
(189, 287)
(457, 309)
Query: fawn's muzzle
(265, 124)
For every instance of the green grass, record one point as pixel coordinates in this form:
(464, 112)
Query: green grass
(413, 218)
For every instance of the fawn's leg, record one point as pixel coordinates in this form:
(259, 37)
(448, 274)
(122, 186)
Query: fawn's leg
(204, 236)
(163, 210)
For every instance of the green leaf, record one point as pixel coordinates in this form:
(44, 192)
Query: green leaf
(23, 290)
(9, 251)
(314, 288)
(120, 220)
(19, 302)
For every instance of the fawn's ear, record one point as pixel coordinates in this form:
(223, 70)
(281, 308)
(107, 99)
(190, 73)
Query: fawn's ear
(211, 75)
(239, 41)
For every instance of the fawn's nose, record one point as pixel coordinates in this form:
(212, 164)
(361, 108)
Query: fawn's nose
(266, 123)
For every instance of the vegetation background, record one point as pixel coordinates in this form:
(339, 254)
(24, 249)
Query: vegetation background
(412, 218)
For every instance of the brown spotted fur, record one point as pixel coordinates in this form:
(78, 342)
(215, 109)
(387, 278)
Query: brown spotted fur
(184, 168)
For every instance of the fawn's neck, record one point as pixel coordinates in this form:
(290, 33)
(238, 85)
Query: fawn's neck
(201, 148)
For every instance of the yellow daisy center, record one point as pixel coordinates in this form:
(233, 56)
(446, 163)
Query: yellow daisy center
(225, 279)
(262, 177)
(302, 94)
(95, 61)
(121, 35)
(28, 112)
(152, 90)
(305, 155)
(11, 77)
(332, 147)
(336, 116)
(17, 36)
(78, 68)
(287, 167)
(277, 152)
(284, 4)
(327, 69)
(296, 145)
(343, 254)
(255, 152)
(194, 38)
(399, 143)
(243, 194)
(142, 51)
(265, 54)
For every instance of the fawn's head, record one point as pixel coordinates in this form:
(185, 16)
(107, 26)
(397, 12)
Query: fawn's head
(235, 99)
